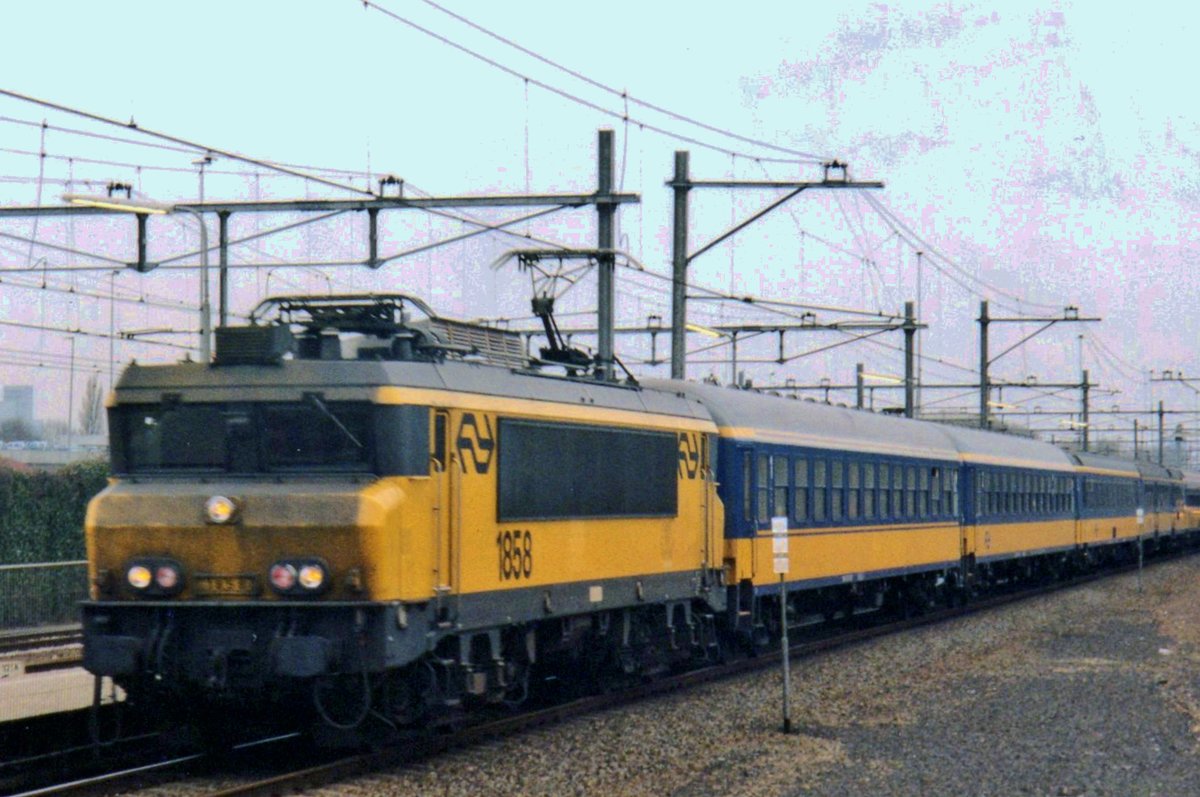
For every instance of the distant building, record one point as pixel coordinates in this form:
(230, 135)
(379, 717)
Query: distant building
(16, 404)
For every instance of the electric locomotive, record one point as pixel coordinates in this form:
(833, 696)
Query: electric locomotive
(362, 507)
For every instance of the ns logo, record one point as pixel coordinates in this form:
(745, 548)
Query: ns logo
(476, 442)
(690, 455)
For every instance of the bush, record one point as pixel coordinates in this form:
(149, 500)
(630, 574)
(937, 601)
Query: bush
(41, 520)
(41, 514)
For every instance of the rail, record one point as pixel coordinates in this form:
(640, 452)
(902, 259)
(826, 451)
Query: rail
(289, 771)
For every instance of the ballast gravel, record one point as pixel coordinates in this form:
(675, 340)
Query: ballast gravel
(1090, 691)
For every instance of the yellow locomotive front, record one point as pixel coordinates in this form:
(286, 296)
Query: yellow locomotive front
(247, 541)
(370, 530)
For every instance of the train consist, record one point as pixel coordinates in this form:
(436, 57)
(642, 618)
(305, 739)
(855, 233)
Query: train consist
(355, 512)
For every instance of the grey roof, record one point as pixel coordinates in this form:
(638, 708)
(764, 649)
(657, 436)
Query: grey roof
(776, 419)
(1152, 470)
(349, 380)
(1104, 462)
(768, 418)
(983, 446)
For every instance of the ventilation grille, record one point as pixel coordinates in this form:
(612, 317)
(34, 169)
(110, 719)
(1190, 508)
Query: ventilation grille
(256, 345)
(497, 346)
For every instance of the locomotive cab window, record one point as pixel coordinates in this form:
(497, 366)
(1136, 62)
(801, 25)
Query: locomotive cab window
(269, 437)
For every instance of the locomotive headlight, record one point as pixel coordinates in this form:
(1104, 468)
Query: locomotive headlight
(219, 509)
(138, 576)
(299, 577)
(166, 577)
(312, 576)
(155, 576)
(283, 576)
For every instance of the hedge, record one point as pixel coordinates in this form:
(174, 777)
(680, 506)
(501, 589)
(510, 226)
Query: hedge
(41, 514)
(41, 520)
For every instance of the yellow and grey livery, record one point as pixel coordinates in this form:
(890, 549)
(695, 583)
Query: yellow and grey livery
(387, 517)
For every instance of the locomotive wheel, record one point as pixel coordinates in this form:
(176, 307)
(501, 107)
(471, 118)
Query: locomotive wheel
(342, 701)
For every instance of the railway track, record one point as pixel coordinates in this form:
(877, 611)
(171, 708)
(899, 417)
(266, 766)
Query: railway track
(15, 641)
(283, 778)
(41, 648)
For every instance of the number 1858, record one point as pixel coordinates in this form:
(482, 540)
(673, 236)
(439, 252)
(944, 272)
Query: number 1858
(515, 549)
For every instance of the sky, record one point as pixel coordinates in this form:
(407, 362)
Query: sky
(1039, 154)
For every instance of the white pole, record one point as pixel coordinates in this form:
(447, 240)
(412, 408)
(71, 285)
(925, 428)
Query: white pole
(71, 403)
(205, 310)
(782, 563)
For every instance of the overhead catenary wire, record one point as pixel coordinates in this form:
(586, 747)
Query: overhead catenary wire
(574, 97)
(625, 96)
(105, 335)
(949, 268)
(895, 232)
(96, 369)
(124, 296)
(330, 170)
(200, 148)
(1108, 362)
(143, 166)
(49, 355)
(118, 299)
(1096, 339)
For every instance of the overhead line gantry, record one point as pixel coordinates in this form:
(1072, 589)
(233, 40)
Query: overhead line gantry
(604, 198)
(681, 258)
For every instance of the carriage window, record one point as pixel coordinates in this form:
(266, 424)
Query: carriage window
(801, 482)
(868, 494)
(910, 491)
(764, 489)
(779, 471)
(837, 490)
(818, 492)
(897, 491)
(852, 492)
(884, 490)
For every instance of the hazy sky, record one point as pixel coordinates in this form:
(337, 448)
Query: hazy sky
(1042, 151)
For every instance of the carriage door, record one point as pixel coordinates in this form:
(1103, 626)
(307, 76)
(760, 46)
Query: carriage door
(443, 472)
(714, 553)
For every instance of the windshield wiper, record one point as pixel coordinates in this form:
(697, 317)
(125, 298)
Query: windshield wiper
(315, 400)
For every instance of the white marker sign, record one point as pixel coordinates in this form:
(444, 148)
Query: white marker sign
(779, 543)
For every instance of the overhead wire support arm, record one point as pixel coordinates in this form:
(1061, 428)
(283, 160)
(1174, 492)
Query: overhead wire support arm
(1018, 344)
(681, 184)
(1069, 315)
(796, 187)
